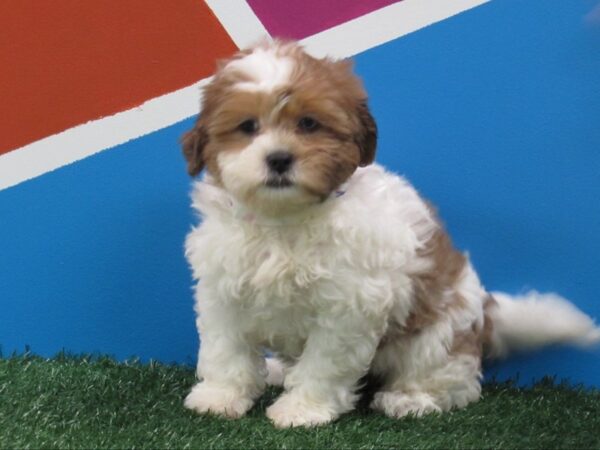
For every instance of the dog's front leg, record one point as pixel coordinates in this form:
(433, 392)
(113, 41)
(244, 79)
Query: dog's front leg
(322, 384)
(231, 370)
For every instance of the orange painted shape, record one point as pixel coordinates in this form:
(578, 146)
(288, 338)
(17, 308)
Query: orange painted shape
(64, 62)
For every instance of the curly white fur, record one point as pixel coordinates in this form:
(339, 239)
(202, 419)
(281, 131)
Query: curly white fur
(318, 292)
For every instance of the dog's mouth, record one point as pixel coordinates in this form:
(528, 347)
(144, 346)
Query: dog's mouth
(278, 182)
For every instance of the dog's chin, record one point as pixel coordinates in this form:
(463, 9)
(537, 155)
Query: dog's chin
(279, 182)
(280, 196)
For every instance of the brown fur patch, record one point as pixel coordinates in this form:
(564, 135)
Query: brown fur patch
(435, 295)
(434, 292)
(476, 341)
(467, 342)
(193, 143)
(366, 138)
(434, 289)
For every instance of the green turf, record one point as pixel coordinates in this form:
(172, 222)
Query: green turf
(84, 402)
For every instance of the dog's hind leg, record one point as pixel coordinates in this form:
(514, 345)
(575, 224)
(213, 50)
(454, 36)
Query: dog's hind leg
(452, 386)
(423, 374)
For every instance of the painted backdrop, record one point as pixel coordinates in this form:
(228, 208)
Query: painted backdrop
(491, 108)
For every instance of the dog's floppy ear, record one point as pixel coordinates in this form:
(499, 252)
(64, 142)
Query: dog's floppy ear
(366, 138)
(193, 143)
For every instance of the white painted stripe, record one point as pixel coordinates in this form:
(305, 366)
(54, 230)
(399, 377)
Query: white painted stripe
(240, 22)
(95, 136)
(383, 25)
(238, 19)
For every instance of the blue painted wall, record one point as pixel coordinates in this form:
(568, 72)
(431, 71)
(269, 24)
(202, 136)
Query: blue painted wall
(92, 255)
(493, 114)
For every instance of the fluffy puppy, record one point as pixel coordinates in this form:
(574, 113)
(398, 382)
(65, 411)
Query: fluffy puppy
(309, 251)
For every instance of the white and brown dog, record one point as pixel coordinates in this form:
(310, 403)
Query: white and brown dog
(336, 266)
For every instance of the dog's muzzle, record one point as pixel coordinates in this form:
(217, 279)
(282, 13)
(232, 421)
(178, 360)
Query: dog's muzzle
(279, 163)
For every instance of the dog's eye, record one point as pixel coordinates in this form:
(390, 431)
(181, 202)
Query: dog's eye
(308, 124)
(249, 126)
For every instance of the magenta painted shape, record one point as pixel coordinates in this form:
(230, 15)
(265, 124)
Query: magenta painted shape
(302, 18)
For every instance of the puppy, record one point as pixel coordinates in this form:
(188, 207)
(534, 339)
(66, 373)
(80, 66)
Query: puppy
(337, 267)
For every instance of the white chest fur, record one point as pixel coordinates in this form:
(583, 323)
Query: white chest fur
(355, 254)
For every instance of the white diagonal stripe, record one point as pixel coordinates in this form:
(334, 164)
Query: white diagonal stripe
(240, 22)
(92, 137)
(383, 25)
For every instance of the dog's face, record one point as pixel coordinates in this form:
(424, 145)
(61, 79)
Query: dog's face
(280, 130)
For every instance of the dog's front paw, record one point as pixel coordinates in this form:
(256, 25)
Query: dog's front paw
(292, 410)
(399, 404)
(206, 398)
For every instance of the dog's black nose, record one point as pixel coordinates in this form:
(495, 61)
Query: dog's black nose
(280, 161)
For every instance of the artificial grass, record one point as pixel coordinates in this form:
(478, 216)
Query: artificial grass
(84, 402)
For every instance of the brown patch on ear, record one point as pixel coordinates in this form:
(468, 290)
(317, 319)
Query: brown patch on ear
(193, 143)
(366, 138)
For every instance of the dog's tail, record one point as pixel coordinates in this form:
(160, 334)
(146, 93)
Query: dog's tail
(533, 320)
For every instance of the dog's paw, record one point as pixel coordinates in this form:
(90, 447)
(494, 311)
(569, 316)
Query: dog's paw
(291, 410)
(205, 398)
(399, 404)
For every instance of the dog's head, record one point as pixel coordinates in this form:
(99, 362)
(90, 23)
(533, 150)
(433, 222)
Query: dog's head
(280, 129)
